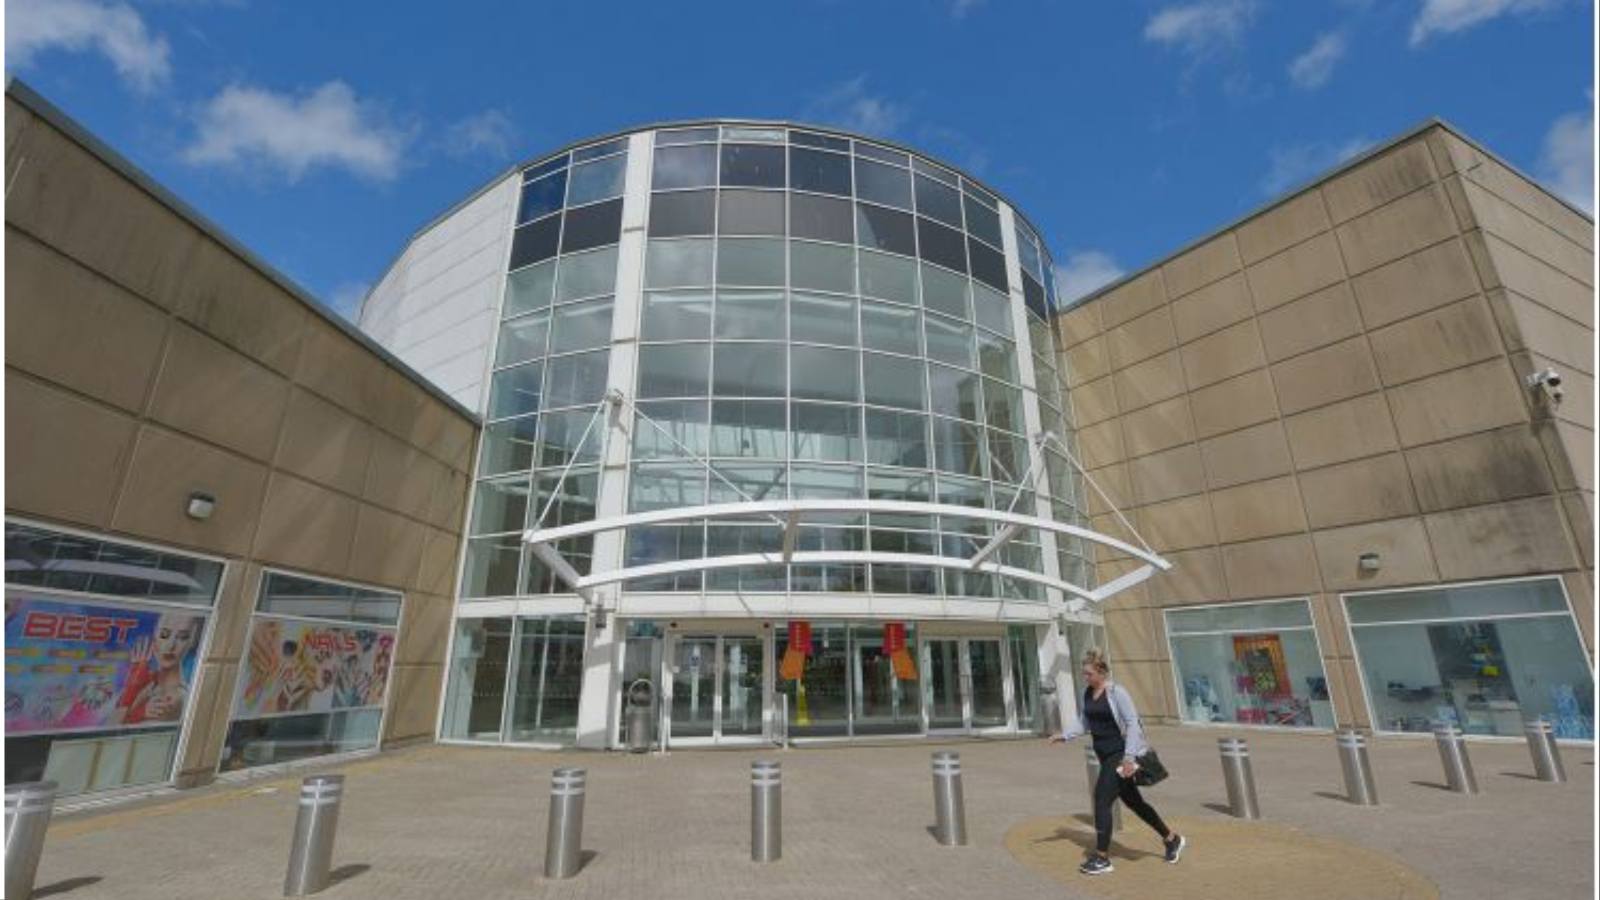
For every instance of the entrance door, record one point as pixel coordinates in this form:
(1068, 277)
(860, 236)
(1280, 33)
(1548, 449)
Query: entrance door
(742, 687)
(966, 685)
(986, 683)
(946, 706)
(718, 688)
(694, 688)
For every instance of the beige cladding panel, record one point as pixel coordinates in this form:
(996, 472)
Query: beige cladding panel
(1150, 682)
(1527, 325)
(1158, 427)
(1325, 376)
(1502, 265)
(1447, 338)
(1579, 588)
(1495, 178)
(1232, 351)
(1251, 454)
(437, 571)
(1295, 272)
(1235, 403)
(1522, 537)
(340, 370)
(1213, 307)
(1141, 338)
(1178, 524)
(1476, 398)
(1156, 379)
(1257, 510)
(325, 444)
(1486, 467)
(18, 120)
(1290, 222)
(167, 468)
(1389, 176)
(212, 703)
(387, 548)
(1086, 361)
(1195, 577)
(1201, 266)
(1390, 232)
(1130, 300)
(1130, 635)
(1533, 237)
(210, 391)
(70, 326)
(1579, 506)
(1168, 474)
(229, 299)
(306, 527)
(1570, 450)
(1403, 553)
(1378, 487)
(1348, 430)
(1274, 567)
(235, 605)
(1113, 480)
(1416, 283)
(73, 451)
(401, 477)
(426, 630)
(413, 700)
(1094, 402)
(1313, 321)
(1079, 323)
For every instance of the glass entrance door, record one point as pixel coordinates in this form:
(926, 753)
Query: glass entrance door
(742, 687)
(946, 708)
(967, 689)
(694, 688)
(986, 682)
(718, 686)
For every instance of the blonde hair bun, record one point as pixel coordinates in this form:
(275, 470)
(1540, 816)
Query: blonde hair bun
(1096, 658)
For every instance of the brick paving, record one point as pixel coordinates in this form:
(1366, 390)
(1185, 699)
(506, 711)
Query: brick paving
(469, 822)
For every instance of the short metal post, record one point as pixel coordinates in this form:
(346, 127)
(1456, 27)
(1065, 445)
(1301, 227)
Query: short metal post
(311, 854)
(1453, 753)
(1546, 755)
(563, 840)
(1359, 786)
(949, 806)
(1238, 778)
(1091, 765)
(766, 811)
(28, 807)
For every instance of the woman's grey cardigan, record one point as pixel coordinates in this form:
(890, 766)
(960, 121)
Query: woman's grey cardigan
(1127, 717)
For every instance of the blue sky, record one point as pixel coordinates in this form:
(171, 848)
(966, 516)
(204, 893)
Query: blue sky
(322, 135)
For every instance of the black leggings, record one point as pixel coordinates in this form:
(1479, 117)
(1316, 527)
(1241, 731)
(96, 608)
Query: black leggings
(1107, 790)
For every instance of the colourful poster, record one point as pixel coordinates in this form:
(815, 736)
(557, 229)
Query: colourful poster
(296, 666)
(82, 666)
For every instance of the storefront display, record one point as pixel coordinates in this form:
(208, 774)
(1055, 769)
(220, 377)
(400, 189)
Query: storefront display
(1251, 664)
(1484, 657)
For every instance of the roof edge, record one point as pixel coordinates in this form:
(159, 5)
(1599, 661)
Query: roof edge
(37, 104)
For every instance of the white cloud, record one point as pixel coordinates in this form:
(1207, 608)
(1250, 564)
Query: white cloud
(1313, 68)
(328, 127)
(960, 8)
(1083, 272)
(1201, 28)
(1567, 159)
(849, 106)
(1296, 163)
(346, 298)
(113, 29)
(490, 133)
(1448, 16)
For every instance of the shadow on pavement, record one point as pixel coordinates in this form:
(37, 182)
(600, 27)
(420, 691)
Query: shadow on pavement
(1523, 775)
(1433, 784)
(1085, 840)
(1223, 808)
(66, 884)
(1330, 795)
(346, 872)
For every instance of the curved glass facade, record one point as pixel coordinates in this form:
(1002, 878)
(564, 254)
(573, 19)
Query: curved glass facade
(814, 316)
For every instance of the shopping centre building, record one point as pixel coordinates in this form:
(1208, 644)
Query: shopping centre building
(782, 432)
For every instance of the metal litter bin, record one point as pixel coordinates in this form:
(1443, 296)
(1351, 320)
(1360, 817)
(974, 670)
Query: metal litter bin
(641, 694)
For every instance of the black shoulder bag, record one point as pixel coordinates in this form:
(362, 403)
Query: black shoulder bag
(1151, 770)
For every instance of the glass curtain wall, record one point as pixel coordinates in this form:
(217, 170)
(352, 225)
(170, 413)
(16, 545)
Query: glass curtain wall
(1485, 657)
(480, 660)
(1250, 663)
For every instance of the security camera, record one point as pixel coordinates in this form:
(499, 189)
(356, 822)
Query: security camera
(1547, 382)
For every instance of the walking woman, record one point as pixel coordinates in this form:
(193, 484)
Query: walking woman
(1107, 715)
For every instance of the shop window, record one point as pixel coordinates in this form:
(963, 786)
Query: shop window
(1250, 663)
(1485, 657)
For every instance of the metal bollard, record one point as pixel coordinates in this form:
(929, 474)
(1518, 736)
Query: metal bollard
(1092, 767)
(766, 811)
(1453, 753)
(28, 808)
(949, 807)
(563, 839)
(1546, 755)
(311, 854)
(1238, 777)
(1359, 786)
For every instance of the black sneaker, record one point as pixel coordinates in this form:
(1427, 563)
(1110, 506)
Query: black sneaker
(1175, 845)
(1096, 865)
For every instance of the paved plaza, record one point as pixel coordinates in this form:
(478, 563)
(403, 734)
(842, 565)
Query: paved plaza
(437, 821)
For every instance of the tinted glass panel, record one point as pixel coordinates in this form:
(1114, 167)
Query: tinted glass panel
(886, 229)
(750, 261)
(897, 439)
(982, 221)
(681, 263)
(957, 447)
(500, 506)
(823, 431)
(580, 326)
(823, 218)
(893, 381)
(822, 319)
(508, 446)
(923, 167)
(530, 288)
(515, 391)
(822, 267)
(600, 180)
(542, 197)
(754, 165)
(685, 136)
(750, 314)
(822, 373)
(522, 339)
(944, 292)
(993, 310)
(820, 171)
(938, 201)
(810, 139)
(1002, 406)
(748, 370)
(592, 226)
(751, 212)
(883, 184)
(953, 392)
(750, 428)
(674, 428)
(1033, 294)
(679, 370)
(890, 277)
(587, 274)
(545, 168)
(882, 153)
(949, 341)
(536, 242)
(682, 213)
(988, 264)
(890, 328)
(575, 380)
(997, 357)
(942, 245)
(685, 167)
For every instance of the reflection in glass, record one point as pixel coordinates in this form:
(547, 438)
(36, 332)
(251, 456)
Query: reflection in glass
(478, 666)
(549, 676)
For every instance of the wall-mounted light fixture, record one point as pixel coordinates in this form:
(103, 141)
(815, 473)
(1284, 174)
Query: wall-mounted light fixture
(201, 506)
(1369, 562)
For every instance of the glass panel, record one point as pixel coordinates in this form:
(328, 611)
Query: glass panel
(515, 391)
(680, 263)
(993, 309)
(942, 672)
(743, 685)
(953, 392)
(756, 166)
(750, 428)
(938, 201)
(894, 381)
(522, 339)
(958, 447)
(1024, 675)
(648, 545)
(1241, 616)
(535, 242)
(883, 184)
(982, 221)
(562, 437)
(822, 319)
(542, 197)
(823, 218)
(1008, 460)
(988, 684)
(491, 567)
(685, 167)
(529, 289)
(599, 180)
(679, 370)
(553, 164)
(682, 213)
(754, 481)
(819, 171)
(576, 380)
(827, 432)
(822, 267)
(679, 315)
(592, 226)
(748, 370)
(945, 292)
(997, 357)
(595, 151)
(885, 703)
(549, 677)
(43, 558)
(886, 229)
(822, 373)
(685, 136)
(826, 483)
(500, 506)
(750, 314)
(694, 687)
(988, 265)
(750, 261)
(889, 277)
(949, 341)
(658, 486)
(587, 274)
(890, 328)
(873, 151)
(818, 697)
(1002, 406)
(753, 133)
(809, 139)
(680, 428)
(581, 326)
(1260, 677)
(478, 664)
(1459, 602)
(897, 439)
(508, 446)
(938, 244)
(751, 212)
